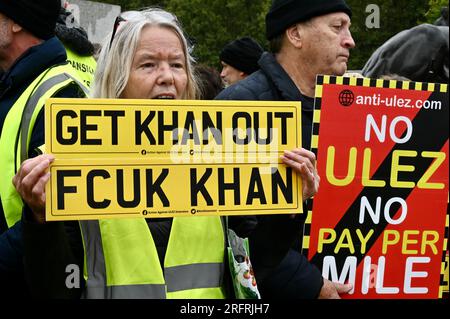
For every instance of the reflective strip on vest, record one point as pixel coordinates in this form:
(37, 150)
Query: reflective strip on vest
(33, 103)
(194, 280)
(195, 259)
(126, 292)
(11, 139)
(194, 276)
(96, 287)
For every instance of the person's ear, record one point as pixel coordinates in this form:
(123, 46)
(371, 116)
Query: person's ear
(294, 35)
(16, 28)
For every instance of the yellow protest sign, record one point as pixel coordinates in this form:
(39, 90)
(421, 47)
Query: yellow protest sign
(155, 128)
(147, 158)
(93, 189)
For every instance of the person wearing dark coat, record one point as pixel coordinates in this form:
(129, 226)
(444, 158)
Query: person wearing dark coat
(419, 54)
(288, 73)
(28, 47)
(51, 247)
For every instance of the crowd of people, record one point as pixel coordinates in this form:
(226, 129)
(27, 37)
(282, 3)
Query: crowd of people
(147, 56)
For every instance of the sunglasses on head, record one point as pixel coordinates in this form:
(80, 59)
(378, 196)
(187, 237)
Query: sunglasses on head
(117, 22)
(131, 15)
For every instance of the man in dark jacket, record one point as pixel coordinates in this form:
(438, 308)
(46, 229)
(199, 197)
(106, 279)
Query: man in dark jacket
(28, 48)
(307, 38)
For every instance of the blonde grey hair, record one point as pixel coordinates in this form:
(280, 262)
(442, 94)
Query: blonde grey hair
(114, 64)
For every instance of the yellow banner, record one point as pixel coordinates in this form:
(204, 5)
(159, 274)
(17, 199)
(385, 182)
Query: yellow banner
(95, 189)
(147, 158)
(188, 131)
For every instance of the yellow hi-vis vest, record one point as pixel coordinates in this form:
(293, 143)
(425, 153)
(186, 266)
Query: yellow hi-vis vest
(84, 65)
(121, 260)
(17, 129)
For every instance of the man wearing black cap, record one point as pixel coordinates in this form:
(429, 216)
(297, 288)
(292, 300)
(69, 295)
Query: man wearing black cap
(307, 38)
(239, 59)
(33, 64)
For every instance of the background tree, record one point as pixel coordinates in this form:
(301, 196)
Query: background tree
(210, 24)
(134, 4)
(213, 23)
(395, 16)
(434, 11)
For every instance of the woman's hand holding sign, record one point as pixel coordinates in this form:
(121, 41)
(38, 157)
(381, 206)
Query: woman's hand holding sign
(30, 182)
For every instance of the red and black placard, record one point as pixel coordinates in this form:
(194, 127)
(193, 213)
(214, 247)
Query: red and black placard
(380, 218)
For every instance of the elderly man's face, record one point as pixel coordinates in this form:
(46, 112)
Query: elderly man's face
(327, 42)
(230, 75)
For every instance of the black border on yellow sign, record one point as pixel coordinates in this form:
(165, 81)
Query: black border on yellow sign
(74, 155)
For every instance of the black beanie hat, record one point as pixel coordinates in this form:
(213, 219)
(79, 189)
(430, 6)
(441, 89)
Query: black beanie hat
(242, 54)
(38, 17)
(72, 35)
(285, 13)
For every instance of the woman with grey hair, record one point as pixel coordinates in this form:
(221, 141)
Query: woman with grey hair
(146, 57)
(118, 57)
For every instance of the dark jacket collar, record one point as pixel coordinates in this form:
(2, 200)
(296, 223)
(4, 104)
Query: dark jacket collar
(278, 76)
(32, 63)
(282, 82)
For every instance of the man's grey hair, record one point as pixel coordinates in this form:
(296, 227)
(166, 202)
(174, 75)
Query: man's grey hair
(114, 64)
